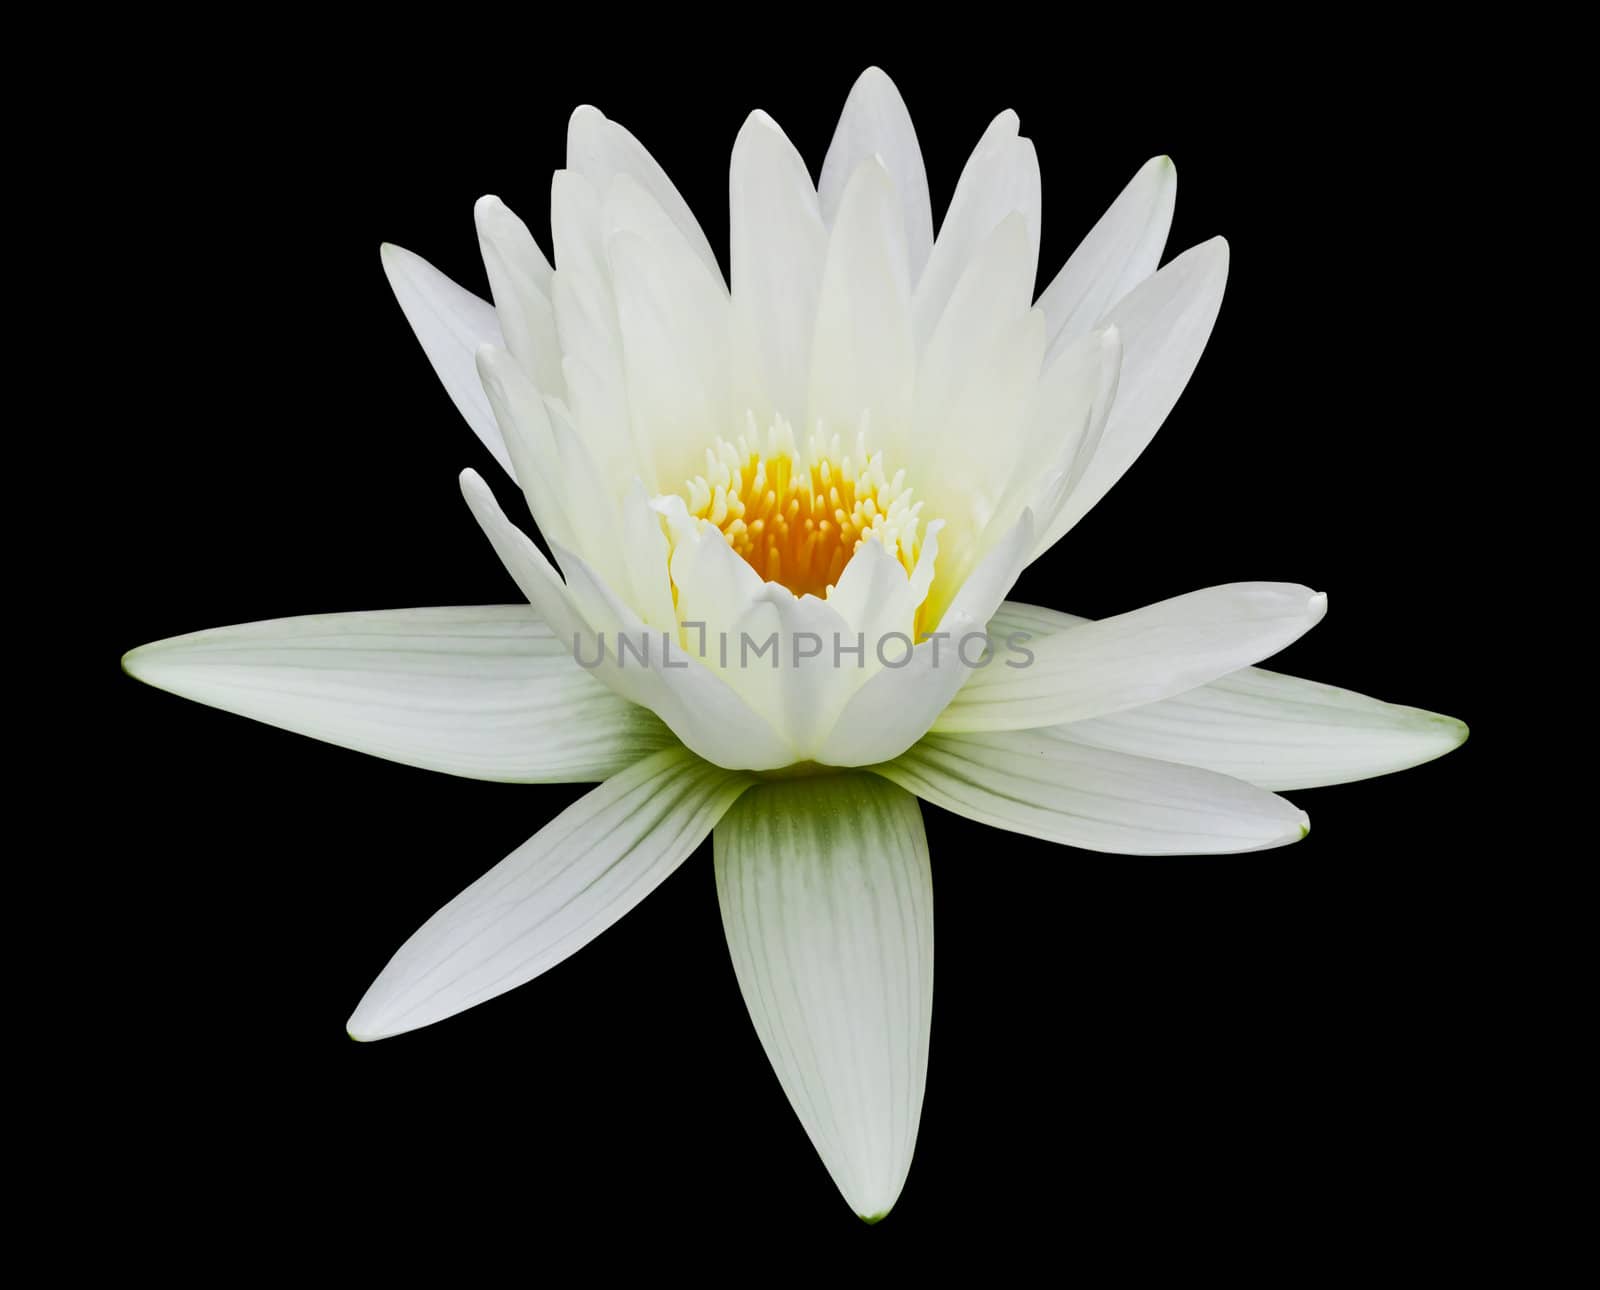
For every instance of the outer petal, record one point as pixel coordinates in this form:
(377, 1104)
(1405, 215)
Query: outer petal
(976, 380)
(1271, 730)
(553, 895)
(573, 503)
(1276, 731)
(1054, 789)
(591, 337)
(488, 693)
(600, 150)
(875, 123)
(1165, 324)
(451, 323)
(1071, 405)
(778, 243)
(1135, 658)
(1001, 177)
(674, 320)
(863, 363)
(827, 901)
(559, 480)
(1121, 251)
(519, 276)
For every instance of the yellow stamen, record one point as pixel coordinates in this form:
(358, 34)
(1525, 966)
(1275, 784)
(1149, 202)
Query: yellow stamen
(797, 518)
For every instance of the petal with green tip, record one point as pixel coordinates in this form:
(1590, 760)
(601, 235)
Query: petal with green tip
(827, 902)
(1271, 730)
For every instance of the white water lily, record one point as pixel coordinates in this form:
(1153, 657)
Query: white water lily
(867, 438)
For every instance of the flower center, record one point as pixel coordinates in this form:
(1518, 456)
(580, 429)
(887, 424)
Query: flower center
(797, 517)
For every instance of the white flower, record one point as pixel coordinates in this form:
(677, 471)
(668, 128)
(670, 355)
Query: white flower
(865, 441)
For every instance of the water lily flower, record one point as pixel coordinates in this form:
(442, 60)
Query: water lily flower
(845, 460)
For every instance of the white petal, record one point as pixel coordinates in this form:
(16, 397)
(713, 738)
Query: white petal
(875, 123)
(488, 693)
(778, 244)
(524, 421)
(1001, 177)
(976, 379)
(1070, 406)
(574, 504)
(674, 319)
(862, 359)
(519, 277)
(526, 564)
(1274, 731)
(1135, 658)
(1165, 324)
(591, 338)
(674, 323)
(553, 895)
(1050, 788)
(451, 323)
(827, 901)
(1278, 732)
(646, 546)
(600, 150)
(1120, 252)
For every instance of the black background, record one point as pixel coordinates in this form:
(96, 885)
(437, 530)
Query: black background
(1130, 1056)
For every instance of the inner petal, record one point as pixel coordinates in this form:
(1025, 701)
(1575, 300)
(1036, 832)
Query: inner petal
(795, 515)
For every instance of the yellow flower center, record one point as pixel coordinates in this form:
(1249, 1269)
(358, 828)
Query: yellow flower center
(797, 517)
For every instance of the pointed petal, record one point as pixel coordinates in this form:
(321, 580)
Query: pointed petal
(1120, 252)
(553, 895)
(875, 123)
(526, 564)
(524, 421)
(488, 693)
(600, 150)
(827, 901)
(1271, 730)
(451, 323)
(1274, 731)
(976, 378)
(591, 337)
(1165, 323)
(1070, 406)
(1135, 658)
(778, 243)
(862, 360)
(1277, 731)
(1048, 787)
(1001, 177)
(674, 323)
(673, 319)
(519, 277)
